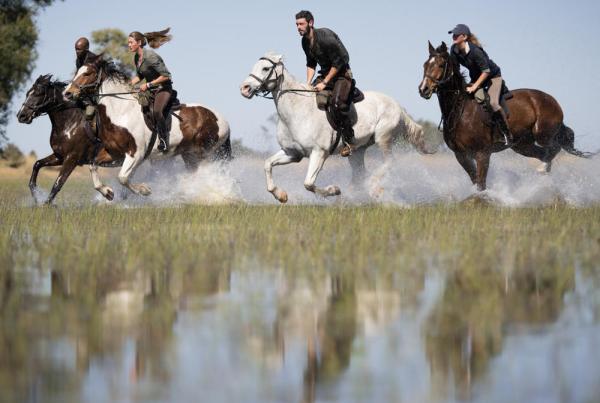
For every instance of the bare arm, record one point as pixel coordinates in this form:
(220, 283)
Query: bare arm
(135, 80)
(310, 73)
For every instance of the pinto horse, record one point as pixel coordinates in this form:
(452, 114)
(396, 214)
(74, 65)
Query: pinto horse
(303, 130)
(535, 119)
(198, 133)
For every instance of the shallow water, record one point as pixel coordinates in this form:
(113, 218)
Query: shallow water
(408, 180)
(258, 334)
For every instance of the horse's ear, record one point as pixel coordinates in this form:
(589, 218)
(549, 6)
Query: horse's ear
(98, 59)
(443, 47)
(431, 49)
(44, 78)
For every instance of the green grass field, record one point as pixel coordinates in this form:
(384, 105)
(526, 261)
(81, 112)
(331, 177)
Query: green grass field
(98, 236)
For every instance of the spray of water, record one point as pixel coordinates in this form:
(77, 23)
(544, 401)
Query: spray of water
(410, 179)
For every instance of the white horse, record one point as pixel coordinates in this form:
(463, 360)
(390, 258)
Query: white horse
(198, 133)
(303, 130)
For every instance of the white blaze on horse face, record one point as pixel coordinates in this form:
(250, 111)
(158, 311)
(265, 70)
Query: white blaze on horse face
(70, 88)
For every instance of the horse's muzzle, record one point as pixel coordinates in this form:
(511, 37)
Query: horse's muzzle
(247, 91)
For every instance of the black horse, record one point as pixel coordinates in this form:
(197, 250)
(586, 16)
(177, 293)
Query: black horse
(71, 143)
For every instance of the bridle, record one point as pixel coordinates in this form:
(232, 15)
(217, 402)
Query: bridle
(443, 80)
(51, 101)
(263, 90)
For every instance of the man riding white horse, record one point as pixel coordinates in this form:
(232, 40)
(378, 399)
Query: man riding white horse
(322, 46)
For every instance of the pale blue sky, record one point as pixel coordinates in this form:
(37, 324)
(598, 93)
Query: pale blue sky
(549, 45)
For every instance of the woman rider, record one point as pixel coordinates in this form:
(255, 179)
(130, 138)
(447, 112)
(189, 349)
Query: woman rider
(484, 73)
(150, 67)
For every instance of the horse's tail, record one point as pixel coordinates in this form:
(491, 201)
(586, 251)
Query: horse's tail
(413, 132)
(223, 153)
(566, 139)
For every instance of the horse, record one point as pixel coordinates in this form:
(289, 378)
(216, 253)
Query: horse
(70, 142)
(535, 119)
(303, 130)
(197, 133)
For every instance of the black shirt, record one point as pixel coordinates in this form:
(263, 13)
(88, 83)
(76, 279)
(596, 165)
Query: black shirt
(476, 61)
(327, 50)
(85, 58)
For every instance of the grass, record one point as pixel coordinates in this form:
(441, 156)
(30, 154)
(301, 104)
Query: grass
(332, 238)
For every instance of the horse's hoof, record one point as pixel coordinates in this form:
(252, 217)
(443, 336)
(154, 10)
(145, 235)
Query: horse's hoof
(333, 191)
(280, 195)
(544, 168)
(110, 195)
(144, 189)
(377, 192)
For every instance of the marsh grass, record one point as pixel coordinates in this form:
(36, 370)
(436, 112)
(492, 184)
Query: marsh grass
(89, 236)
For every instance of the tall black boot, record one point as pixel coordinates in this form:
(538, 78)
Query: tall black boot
(502, 123)
(163, 137)
(348, 139)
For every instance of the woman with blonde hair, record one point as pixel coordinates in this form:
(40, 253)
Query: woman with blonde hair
(151, 67)
(484, 73)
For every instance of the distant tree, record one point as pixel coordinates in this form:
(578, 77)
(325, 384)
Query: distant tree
(17, 50)
(12, 155)
(113, 43)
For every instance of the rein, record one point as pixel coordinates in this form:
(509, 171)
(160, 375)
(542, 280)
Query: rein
(449, 122)
(263, 90)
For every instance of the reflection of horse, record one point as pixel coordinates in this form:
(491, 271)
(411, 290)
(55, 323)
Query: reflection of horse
(198, 133)
(303, 130)
(71, 146)
(536, 120)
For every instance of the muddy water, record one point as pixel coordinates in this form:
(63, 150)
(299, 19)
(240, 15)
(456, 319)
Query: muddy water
(249, 333)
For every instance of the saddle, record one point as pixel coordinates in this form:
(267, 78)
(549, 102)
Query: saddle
(147, 100)
(323, 98)
(483, 98)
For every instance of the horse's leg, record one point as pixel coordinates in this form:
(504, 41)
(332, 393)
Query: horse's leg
(315, 164)
(483, 163)
(67, 168)
(544, 154)
(279, 158)
(106, 191)
(191, 161)
(357, 164)
(129, 165)
(468, 165)
(50, 161)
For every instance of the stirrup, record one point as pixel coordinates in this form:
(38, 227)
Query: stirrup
(163, 146)
(346, 150)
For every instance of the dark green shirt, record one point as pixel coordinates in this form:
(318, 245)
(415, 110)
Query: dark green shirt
(327, 50)
(152, 66)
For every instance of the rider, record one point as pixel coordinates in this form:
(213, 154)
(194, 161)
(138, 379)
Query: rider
(150, 67)
(484, 73)
(322, 46)
(83, 56)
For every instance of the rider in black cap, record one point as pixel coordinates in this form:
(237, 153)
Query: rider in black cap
(484, 73)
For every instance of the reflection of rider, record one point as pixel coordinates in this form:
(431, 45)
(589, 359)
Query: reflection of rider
(82, 51)
(150, 67)
(484, 73)
(322, 46)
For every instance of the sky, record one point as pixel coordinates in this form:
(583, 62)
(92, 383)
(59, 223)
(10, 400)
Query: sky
(548, 45)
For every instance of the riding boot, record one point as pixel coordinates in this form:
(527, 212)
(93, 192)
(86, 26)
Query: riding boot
(348, 139)
(502, 123)
(163, 141)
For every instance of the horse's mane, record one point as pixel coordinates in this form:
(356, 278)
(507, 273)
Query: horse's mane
(113, 71)
(459, 80)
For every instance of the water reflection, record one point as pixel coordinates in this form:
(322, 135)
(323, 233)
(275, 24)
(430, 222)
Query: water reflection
(256, 334)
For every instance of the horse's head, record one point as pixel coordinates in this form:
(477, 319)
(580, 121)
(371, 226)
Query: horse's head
(265, 77)
(87, 79)
(437, 70)
(43, 95)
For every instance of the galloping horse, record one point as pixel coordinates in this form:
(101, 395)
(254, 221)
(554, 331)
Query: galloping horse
(71, 144)
(303, 130)
(535, 119)
(197, 133)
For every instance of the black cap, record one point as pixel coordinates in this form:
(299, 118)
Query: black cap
(460, 29)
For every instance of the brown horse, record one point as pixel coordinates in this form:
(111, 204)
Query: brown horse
(197, 133)
(535, 119)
